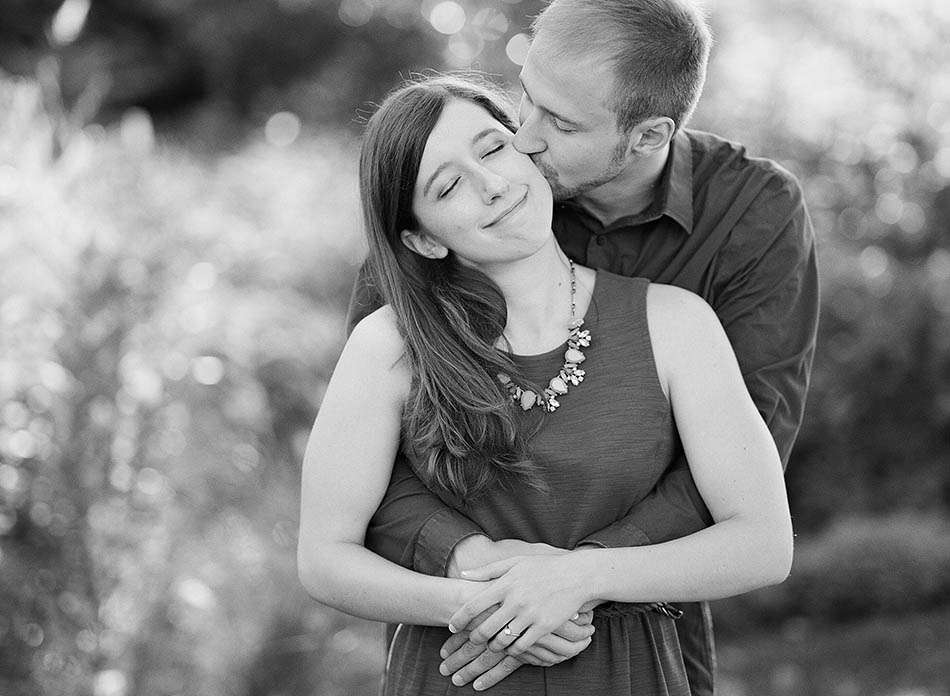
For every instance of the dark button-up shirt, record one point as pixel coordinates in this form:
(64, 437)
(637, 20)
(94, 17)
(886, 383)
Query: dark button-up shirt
(724, 225)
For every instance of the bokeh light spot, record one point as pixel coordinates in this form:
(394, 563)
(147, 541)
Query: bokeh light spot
(355, 13)
(282, 129)
(33, 635)
(22, 444)
(465, 49)
(137, 132)
(207, 370)
(69, 21)
(889, 208)
(874, 262)
(490, 23)
(447, 17)
(517, 48)
(110, 682)
(196, 593)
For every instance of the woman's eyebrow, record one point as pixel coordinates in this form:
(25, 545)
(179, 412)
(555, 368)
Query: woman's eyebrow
(438, 170)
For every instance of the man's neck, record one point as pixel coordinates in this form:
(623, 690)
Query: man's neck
(631, 192)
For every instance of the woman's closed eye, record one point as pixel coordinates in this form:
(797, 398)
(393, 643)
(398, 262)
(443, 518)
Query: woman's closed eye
(493, 150)
(447, 190)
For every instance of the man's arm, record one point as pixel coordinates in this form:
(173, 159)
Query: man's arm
(765, 292)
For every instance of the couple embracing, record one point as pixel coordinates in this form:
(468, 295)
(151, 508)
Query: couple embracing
(580, 350)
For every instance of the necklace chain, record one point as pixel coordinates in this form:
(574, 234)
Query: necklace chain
(570, 373)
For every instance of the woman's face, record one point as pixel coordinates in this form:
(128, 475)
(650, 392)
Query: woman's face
(475, 195)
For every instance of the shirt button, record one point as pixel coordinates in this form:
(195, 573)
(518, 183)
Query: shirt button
(600, 241)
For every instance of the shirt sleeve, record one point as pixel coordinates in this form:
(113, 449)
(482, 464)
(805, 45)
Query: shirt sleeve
(767, 300)
(412, 526)
(769, 303)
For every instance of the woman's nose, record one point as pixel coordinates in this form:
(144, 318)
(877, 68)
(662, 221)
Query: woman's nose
(494, 185)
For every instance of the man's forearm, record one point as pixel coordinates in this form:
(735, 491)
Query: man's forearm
(673, 509)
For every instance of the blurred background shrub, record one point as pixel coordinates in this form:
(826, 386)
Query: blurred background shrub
(179, 230)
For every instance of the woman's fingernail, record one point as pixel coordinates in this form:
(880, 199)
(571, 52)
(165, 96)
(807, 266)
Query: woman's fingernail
(573, 618)
(443, 653)
(457, 680)
(453, 629)
(477, 686)
(443, 670)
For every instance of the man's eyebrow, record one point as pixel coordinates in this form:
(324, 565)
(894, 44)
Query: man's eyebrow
(556, 115)
(438, 170)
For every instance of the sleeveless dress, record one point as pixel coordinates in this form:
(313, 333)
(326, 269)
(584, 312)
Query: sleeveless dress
(599, 453)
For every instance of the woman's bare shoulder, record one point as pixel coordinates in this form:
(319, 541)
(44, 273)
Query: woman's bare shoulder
(378, 345)
(669, 305)
(682, 324)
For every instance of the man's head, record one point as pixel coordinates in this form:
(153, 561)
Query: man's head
(606, 84)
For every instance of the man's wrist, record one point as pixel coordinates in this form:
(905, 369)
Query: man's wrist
(470, 552)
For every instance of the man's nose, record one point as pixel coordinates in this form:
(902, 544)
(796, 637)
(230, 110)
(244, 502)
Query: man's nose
(526, 140)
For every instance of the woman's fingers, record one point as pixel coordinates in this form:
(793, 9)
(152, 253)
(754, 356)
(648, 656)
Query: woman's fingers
(496, 623)
(584, 618)
(505, 637)
(474, 612)
(527, 639)
(490, 571)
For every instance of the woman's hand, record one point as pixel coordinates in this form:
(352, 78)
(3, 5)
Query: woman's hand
(535, 595)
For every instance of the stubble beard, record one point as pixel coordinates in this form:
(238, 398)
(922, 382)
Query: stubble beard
(565, 193)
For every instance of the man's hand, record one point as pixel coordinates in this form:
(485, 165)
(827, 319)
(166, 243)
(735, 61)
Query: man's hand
(466, 661)
(478, 550)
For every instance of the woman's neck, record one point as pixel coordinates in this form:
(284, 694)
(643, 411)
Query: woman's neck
(537, 291)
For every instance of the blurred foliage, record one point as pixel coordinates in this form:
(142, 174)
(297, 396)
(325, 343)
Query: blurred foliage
(170, 312)
(857, 567)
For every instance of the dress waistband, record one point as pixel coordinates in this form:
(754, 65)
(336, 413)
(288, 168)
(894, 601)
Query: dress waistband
(608, 609)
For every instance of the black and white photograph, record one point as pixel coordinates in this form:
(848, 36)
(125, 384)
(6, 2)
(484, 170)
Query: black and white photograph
(436, 347)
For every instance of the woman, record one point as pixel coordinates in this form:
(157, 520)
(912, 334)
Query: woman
(541, 398)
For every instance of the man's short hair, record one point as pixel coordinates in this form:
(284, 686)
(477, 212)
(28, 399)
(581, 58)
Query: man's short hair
(658, 48)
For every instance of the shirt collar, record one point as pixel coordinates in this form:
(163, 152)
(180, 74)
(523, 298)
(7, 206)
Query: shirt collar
(674, 196)
(676, 186)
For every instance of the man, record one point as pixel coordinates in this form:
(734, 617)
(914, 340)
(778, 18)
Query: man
(607, 88)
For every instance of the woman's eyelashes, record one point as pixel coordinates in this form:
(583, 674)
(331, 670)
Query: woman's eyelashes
(449, 188)
(494, 149)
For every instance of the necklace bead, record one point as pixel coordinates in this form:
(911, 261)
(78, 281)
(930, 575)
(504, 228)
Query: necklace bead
(570, 373)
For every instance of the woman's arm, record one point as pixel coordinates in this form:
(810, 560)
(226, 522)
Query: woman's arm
(345, 472)
(737, 470)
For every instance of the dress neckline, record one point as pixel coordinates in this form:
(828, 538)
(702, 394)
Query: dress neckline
(539, 358)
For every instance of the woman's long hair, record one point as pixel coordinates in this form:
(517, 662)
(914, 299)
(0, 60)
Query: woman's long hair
(458, 428)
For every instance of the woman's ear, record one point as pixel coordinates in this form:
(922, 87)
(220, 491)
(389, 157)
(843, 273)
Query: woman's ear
(423, 244)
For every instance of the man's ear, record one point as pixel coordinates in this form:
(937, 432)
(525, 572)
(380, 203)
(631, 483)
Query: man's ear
(423, 244)
(651, 135)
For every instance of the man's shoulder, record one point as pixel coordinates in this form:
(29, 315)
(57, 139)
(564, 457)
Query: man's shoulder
(720, 163)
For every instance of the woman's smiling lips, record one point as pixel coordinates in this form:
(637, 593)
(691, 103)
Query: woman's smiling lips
(513, 207)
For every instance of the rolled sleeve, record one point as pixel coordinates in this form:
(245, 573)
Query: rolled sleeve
(672, 510)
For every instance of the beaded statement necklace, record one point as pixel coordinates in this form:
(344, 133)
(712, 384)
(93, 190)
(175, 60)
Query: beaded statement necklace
(570, 373)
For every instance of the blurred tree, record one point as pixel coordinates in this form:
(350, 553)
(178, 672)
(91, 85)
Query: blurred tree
(247, 58)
